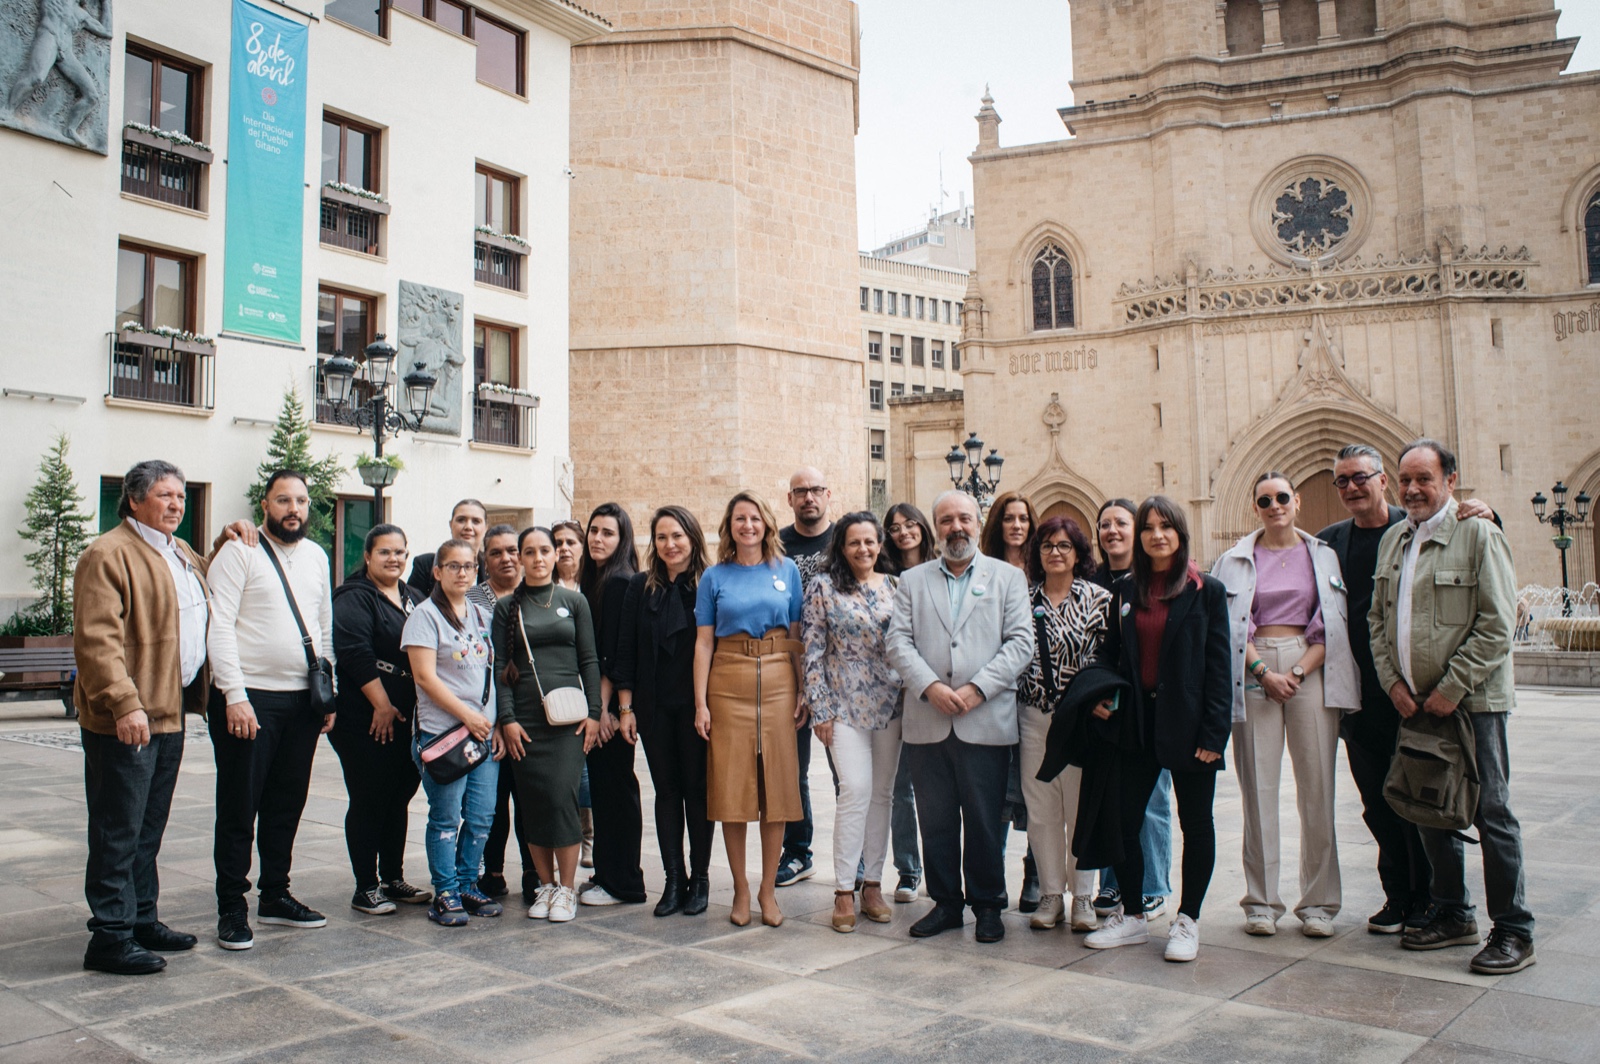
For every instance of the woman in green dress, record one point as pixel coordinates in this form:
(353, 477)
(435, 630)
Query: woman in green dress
(543, 633)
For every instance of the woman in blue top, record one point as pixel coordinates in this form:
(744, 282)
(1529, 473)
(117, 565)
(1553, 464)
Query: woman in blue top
(746, 680)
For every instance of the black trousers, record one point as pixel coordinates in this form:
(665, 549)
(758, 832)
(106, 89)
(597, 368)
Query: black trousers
(618, 820)
(380, 779)
(960, 788)
(261, 791)
(677, 758)
(1194, 793)
(1369, 743)
(494, 851)
(129, 792)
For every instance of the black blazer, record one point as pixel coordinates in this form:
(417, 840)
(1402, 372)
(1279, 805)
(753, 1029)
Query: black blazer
(1194, 676)
(1337, 535)
(655, 640)
(366, 645)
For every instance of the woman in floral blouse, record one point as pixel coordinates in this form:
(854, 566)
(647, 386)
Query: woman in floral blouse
(855, 702)
(1069, 616)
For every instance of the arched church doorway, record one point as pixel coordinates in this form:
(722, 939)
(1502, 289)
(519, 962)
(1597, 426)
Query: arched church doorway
(1066, 509)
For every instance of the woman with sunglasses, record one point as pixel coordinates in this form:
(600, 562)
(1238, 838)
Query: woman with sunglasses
(1293, 674)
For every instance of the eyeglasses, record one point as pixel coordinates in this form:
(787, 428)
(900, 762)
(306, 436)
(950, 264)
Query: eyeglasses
(457, 568)
(1357, 479)
(819, 492)
(1283, 498)
(1056, 548)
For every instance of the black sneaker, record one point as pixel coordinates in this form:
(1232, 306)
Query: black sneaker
(1443, 931)
(479, 904)
(1389, 920)
(493, 885)
(404, 893)
(1420, 915)
(285, 911)
(1108, 901)
(233, 930)
(792, 870)
(371, 901)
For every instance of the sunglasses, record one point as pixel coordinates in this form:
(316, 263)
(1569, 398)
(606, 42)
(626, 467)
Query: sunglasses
(1357, 479)
(1283, 498)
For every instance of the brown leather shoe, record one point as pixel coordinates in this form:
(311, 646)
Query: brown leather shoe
(1505, 953)
(873, 907)
(1441, 932)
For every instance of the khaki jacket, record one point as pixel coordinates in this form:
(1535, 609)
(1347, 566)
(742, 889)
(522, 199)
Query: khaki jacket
(125, 635)
(1463, 604)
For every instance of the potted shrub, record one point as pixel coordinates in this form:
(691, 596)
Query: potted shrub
(378, 472)
(58, 526)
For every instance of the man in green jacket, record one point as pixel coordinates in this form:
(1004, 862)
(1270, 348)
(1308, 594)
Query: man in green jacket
(1441, 620)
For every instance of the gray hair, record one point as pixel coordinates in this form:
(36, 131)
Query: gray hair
(141, 479)
(954, 493)
(1361, 450)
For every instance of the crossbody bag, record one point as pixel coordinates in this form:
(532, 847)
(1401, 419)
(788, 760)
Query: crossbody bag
(452, 754)
(319, 670)
(562, 705)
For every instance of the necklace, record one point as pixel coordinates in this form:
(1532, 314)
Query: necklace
(548, 598)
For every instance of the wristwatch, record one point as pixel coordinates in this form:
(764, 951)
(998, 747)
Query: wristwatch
(1298, 673)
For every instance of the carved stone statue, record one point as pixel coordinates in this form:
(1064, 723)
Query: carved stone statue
(1055, 415)
(565, 484)
(55, 66)
(430, 332)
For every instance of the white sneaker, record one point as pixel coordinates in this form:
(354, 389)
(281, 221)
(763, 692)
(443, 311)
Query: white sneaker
(1084, 918)
(1049, 913)
(1260, 924)
(564, 905)
(1119, 930)
(540, 909)
(595, 894)
(1183, 939)
(1317, 926)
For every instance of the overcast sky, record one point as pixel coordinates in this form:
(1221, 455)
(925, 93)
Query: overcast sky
(924, 64)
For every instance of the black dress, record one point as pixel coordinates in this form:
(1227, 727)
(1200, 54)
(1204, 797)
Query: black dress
(613, 787)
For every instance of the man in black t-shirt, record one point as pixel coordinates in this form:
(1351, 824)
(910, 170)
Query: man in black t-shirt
(1369, 736)
(806, 541)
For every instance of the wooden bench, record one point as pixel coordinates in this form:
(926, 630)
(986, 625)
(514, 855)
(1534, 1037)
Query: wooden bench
(16, 663)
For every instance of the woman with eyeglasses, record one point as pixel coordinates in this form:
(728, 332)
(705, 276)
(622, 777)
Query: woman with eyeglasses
(372, 732)
(1114, 535)
(545, 640)
(1069, 620)
(1168, 643)
(1293, 677)
(909, 538)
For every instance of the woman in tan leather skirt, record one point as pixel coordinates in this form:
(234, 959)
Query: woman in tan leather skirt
(746, 669)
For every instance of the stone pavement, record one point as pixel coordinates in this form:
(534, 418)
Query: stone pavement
(619, 985)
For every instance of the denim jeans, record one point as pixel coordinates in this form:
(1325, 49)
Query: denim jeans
(903, 823)
(129, 792)
(1500, 838)
(797, 834)
(1155, 840)
(460, 815)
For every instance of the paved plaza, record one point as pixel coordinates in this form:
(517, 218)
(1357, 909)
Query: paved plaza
(621, 985)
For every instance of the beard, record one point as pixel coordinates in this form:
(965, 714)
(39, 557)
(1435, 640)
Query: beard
(958, 547)
(286, 535)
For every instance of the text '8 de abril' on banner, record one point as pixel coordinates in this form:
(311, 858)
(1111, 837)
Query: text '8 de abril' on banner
(266, 175)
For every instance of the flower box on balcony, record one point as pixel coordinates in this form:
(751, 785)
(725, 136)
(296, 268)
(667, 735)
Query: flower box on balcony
(350, 199)
(195, 347)
(151, 140)
(509, 397)
(504, 243)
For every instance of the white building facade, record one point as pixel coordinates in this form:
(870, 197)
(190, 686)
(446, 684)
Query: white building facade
(434, 212)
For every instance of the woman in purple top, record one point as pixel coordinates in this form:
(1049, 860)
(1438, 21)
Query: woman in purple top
(1293, 674)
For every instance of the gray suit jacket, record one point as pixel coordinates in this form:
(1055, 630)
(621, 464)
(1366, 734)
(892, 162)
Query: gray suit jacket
(988, 643)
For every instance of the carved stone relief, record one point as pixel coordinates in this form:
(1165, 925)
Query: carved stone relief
(55, 70)
(431, 332)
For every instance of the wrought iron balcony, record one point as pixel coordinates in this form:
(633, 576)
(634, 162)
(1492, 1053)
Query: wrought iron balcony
(155, 369)
(352, 222)
(160, 170)
(503, 422)
(497, 260)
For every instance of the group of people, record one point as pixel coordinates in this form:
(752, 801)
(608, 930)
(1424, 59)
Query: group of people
(963, 676)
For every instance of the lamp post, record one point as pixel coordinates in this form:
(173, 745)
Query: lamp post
(377, 412)
(978, 478)
(1561, 520)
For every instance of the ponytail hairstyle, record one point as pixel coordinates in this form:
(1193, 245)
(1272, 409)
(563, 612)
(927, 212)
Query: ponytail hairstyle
(438, 597)
(514, 616)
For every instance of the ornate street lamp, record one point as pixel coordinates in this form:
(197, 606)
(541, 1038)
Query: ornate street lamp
(971, 472)
(1561, 520)
(377, 412)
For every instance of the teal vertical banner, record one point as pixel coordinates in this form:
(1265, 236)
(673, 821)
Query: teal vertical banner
(266, 175)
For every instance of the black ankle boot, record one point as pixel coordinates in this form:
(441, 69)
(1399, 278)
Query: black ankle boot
(671, 896)
(698, 895)
(1028, 901)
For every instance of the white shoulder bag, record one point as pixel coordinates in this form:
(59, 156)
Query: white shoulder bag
(563, 705)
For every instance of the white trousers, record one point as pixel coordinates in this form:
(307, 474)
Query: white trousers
(1052, 811)
(866, 762)
(1311, 732)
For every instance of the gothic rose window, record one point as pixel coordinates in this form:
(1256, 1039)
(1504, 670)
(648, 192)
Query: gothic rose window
(1591, 237)
(1052, 289)
(1311, 216)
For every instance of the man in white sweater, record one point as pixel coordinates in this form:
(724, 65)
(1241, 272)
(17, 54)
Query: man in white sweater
(263, 727)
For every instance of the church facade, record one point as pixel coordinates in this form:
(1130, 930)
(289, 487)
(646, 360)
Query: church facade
(1278, 227)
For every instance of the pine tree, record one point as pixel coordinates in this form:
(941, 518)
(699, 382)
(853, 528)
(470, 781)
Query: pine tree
(58, 524)
(290, 448)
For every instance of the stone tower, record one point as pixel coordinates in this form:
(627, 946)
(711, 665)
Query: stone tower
(713, 309)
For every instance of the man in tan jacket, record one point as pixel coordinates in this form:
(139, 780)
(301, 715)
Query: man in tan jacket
(140, 613)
